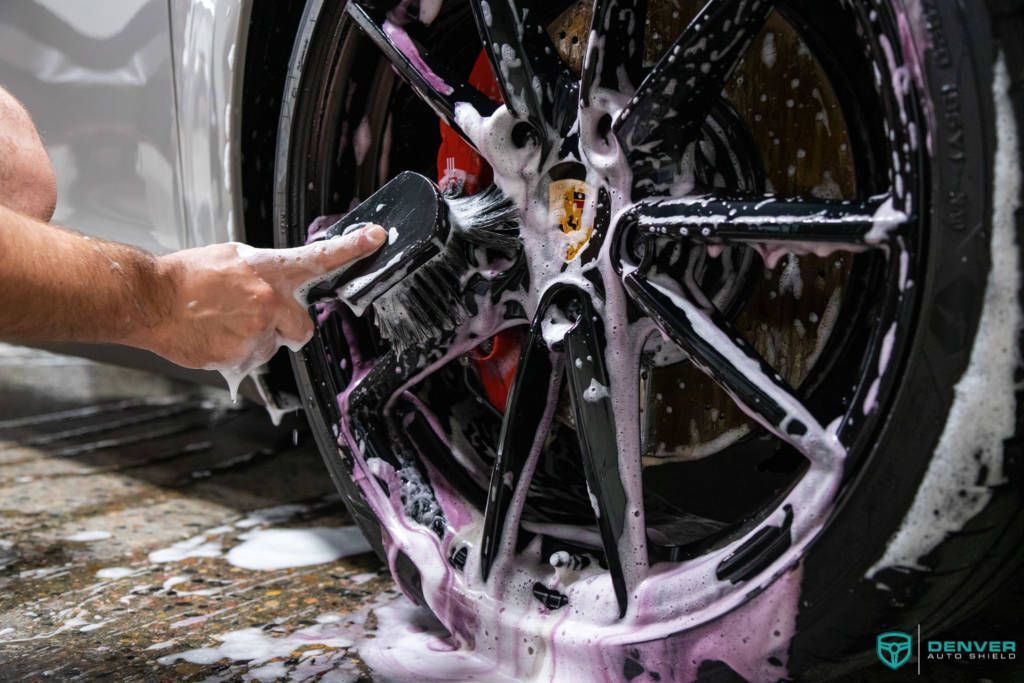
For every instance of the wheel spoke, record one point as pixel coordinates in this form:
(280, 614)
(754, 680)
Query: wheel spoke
(509, 36)
(595, 427)
(615, 48)
(719, 350)
(522, 430)
(770, 219)
(439, 89)
(678, 93)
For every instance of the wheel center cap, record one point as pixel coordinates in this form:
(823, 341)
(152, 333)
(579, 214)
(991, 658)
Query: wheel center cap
(567, 203)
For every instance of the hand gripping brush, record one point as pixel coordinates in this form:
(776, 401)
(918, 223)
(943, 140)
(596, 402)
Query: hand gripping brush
(416, 281)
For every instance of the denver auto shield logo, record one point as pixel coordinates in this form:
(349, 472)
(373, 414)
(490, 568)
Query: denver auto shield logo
(893, 648)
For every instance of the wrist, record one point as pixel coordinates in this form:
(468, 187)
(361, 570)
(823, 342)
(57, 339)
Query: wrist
(154, 295)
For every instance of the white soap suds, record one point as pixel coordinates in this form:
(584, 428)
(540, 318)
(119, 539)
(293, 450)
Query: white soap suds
(44, 572)
(256, 646)
(886, 219)
(871, 398)
(791, 279)
(984, 408)
(361, 141)
(320, 651)
(595, 392)
(360, 579)
(828, 188)
(92, 627)
(277, 405)
(116, 572)
(266, 549)
(197, 546)
(272, 515)
(88, 536)
(768, 51)
(412, 647)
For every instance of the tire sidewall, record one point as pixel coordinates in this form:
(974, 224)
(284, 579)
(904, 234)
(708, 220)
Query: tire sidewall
(332, 454)
(841, 611)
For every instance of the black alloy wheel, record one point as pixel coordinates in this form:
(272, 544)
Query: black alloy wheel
(687, 360)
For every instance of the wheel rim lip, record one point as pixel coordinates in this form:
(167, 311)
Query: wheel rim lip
(809, 531)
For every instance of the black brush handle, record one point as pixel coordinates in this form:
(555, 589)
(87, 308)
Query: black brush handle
(413, 211)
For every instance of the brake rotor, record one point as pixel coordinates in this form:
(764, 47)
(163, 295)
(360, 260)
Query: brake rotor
(789, 313)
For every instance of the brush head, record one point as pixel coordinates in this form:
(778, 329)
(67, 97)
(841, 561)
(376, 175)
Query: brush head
(416, 282)
(433, 301)
(412, 210)
(429, 304)
(488, 219)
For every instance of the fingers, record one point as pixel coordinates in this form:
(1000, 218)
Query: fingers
(287, 269)
(292, 268)
(323, 257)
(335, 253)
(294, 325)
(260, 351)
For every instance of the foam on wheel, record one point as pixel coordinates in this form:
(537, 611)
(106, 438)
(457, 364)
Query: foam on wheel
(669, 416)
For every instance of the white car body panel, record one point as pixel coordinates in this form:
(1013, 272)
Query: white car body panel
(208, 53)
(137, 102)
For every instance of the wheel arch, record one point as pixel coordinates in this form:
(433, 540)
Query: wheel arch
(271, 32)
(267, 35)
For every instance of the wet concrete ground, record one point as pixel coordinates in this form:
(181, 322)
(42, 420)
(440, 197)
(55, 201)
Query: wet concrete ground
(100, 468)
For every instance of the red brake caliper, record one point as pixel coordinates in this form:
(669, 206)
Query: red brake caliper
(461, 169)
(458, 164)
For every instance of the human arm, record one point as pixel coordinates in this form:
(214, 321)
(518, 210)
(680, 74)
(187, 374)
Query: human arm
(219, 306)
(27, 180)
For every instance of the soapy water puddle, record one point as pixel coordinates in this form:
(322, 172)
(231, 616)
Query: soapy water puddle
(152, 587)
(257, 564)
(397, 640)
(381, 637)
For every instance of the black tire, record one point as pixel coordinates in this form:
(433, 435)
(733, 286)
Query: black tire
(849, 593)
(326, 441)
(841, 610)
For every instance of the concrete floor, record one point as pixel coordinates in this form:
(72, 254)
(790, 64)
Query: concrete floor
(139, 465)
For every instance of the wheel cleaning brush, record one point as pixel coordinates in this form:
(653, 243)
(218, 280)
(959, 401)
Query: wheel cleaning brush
(415, 283)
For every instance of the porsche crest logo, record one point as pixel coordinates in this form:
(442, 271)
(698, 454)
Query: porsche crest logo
(566, 202)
